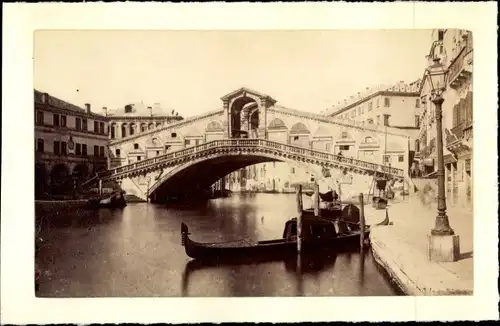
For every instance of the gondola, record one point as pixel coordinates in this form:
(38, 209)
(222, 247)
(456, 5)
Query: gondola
(113, 201)
(318, 234)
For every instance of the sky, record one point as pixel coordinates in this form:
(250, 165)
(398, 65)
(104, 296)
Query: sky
(190, 70)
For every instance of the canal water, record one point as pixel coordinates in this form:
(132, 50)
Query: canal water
(136, 251)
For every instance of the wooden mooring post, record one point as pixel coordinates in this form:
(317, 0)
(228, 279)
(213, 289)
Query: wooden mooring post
(299, 218)
(317, 211)
(100, 187)
(361, 221)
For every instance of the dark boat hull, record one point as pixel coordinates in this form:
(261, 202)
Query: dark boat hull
(325, 213)
(272, 250)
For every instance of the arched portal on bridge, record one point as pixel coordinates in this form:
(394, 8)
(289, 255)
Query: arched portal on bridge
(246, 112)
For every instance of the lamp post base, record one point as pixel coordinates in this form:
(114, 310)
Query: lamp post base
(444, 248)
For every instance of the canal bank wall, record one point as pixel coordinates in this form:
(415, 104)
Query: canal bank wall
(401, 249)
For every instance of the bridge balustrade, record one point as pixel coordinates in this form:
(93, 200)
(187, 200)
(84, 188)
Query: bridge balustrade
(253, 143)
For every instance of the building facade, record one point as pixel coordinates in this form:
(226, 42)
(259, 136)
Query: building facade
(137, 117)
(454, 48)
(70, 144)
(396, 106)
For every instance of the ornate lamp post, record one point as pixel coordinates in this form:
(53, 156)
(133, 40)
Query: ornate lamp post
(440, 247)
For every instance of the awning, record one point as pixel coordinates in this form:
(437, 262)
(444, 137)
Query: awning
(428, 162)
(449, 158)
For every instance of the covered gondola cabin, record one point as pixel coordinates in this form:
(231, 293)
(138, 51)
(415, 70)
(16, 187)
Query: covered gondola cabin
(313, 228)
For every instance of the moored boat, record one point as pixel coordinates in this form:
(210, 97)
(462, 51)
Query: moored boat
(116, 200)
(318, 234)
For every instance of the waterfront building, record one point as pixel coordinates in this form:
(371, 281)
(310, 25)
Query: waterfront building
(454, 48)
(70, 144)
(137, 117)
(397, 106)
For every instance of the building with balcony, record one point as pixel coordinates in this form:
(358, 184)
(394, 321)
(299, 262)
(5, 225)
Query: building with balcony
(70, 144)
(137, 117)
(454, 48)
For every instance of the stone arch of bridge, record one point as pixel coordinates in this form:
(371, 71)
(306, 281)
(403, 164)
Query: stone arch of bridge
(203, 171)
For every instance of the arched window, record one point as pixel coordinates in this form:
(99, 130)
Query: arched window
(132, 128)
(124, 130)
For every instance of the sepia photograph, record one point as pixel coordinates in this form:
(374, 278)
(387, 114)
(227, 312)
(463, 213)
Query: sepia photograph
(249, 162)
(240, 192)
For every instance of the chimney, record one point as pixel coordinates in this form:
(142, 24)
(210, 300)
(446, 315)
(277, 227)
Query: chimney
(87, 107)
(150, 111)
(105, 110)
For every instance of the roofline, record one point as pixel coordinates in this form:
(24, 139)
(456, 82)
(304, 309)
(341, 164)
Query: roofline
(249, 90)
(369, 97)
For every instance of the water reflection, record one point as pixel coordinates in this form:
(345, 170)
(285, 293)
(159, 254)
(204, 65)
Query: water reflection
(137, 252)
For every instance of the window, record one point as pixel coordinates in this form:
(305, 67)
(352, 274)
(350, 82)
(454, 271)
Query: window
(378, 102)
(55, 120)
(143, 128)
(128, 108)
(292, 171)
(117, 152)
(360, 109)
(40, 145)
(387, 158)
(39, 117)
(368, 140)
(197, 142)
(101, 151)
(387, 102)
(417, 103)
(167, 147)
(78, 124)
(187, 142)
(173, 135)
(132, 129)
(386, 119)
(96, 150)
(136, 146)
(84, 149)
(440, 35)
(295, 138)
(63, 121)
(401, 158)
(344, 147)
(417, 121)
(328, 147)
(370, 106)
(417, 145)
(56, 148)
(353, 113)
(370, 121)
(96, 126)
(344, 134)
(378, 119)
(157, 153)
(78, 149)
(84, 125)
(64, 148)
(101, 127)
(138, 158)
(112, 129)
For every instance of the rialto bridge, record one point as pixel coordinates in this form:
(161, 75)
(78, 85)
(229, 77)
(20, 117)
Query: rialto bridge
(250, 128)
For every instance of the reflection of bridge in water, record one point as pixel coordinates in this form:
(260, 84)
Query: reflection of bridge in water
(250, 129)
